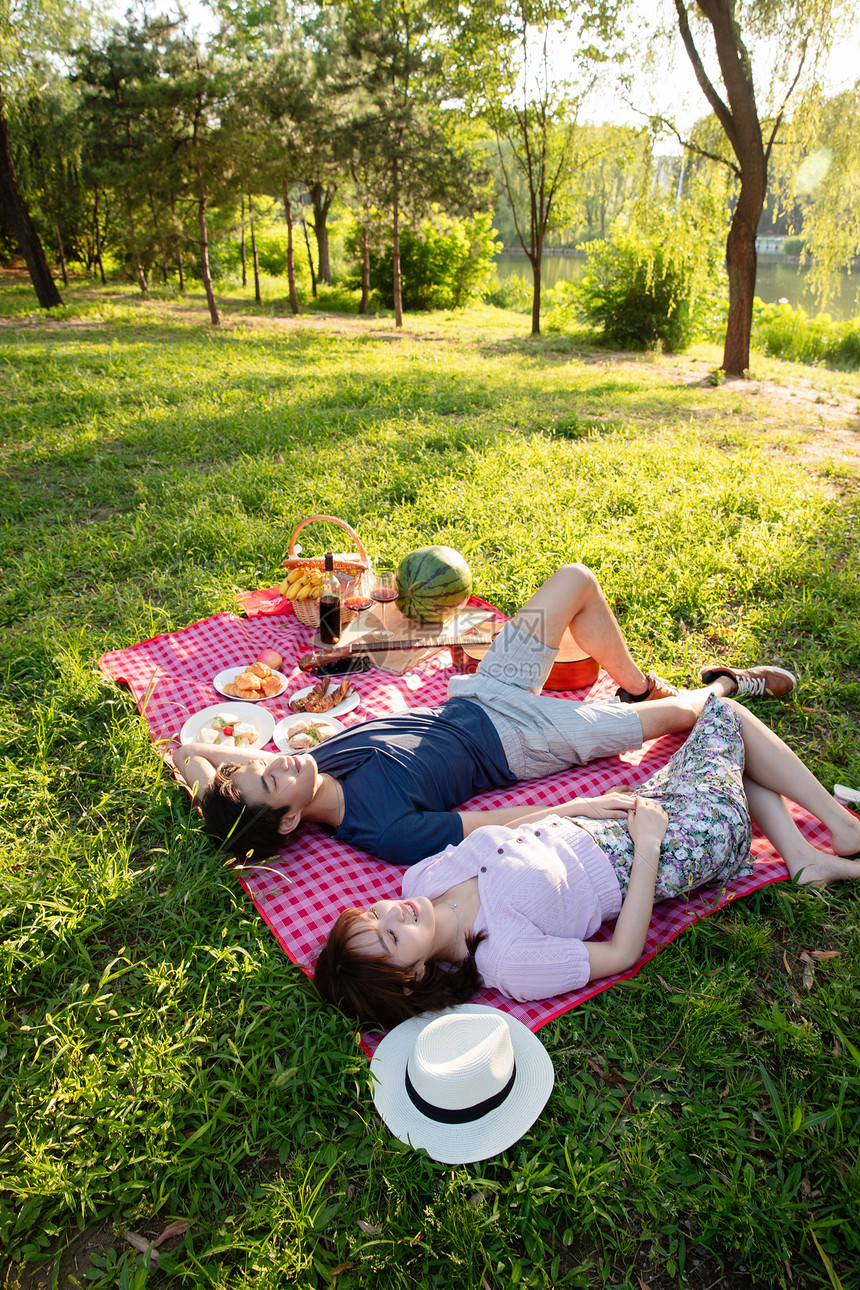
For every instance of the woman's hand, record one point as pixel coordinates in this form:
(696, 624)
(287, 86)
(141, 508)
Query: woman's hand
(647, 823)
(609, 806)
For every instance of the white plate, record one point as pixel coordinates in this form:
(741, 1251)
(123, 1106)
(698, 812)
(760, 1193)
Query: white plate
(260, 718)
(346, 705)
(230, 673)
(281, 737)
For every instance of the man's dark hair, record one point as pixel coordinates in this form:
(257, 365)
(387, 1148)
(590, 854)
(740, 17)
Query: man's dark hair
(240, 830)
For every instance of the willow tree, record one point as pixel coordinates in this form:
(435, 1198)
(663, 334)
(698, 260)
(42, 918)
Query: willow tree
(721, 39)
(820, 179)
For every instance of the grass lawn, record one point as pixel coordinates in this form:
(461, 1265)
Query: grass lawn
(161, 1059)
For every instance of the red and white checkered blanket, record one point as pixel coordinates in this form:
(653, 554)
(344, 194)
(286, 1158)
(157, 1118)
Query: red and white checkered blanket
(300, 892)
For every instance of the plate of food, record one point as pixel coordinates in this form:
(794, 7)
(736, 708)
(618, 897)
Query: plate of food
(250, 684)
(302, 734)
(333, 698)
(229, 725)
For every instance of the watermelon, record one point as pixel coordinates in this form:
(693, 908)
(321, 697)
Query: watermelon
(432, 581)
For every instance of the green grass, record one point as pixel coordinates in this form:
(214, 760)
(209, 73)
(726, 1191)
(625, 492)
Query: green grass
(160, 1058)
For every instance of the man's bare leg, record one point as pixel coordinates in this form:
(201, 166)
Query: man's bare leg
(571, 605)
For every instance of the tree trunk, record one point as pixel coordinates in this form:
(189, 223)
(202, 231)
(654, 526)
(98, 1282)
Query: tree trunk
(204, 258)
(310, 257)
(364, 303)
(61, 255)
(255, 257)
(742, 127)
(180, 266)
(98, 238)
(291, 265)
(244, 257)
(322, 196)
(536, 265)
(140, 272)
(18, 219)
(741, 265)
(395, 254)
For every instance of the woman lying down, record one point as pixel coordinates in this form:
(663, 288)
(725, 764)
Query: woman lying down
(516, 906)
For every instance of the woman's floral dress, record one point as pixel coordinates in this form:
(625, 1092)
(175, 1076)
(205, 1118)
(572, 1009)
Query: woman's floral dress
(701, 789)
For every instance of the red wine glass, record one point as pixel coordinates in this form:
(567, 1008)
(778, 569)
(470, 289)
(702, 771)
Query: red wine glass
(359, 604)
(383, 590)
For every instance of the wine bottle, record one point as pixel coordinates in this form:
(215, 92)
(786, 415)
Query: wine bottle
(329, 603)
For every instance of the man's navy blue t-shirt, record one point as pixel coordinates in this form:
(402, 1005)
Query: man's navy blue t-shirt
(402, 775)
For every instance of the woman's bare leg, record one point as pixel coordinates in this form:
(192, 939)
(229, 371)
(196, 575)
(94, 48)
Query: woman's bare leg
(803, 861)
(771, 764)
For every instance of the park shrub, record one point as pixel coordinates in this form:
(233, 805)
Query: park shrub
(645, 290)
(444, 263)
(225, 256)
(785, 332)
(513, 292)
(564, 307)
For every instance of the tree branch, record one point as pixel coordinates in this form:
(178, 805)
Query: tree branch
(778, 122)
(510, 194)
(720, 110)
(694, 147)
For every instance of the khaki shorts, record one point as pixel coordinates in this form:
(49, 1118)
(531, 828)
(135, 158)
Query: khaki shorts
(541, 735)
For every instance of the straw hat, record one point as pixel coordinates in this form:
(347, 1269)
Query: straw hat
(464, 1084)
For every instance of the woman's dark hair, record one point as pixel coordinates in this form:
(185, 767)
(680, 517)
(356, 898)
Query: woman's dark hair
(238, 829)
(372, 990)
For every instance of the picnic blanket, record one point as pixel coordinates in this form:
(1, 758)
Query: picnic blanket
(301, 891)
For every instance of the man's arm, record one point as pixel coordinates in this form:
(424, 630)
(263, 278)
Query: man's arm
(610, 806)
(196, 762)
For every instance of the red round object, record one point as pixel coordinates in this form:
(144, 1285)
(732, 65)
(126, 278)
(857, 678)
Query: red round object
(271, 658)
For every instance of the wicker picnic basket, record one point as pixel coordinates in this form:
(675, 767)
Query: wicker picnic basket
(352, 567)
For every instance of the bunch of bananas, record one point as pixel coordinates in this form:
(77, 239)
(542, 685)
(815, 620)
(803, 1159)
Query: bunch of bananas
(302, 584)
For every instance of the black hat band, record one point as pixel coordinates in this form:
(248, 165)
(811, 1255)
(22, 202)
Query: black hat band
(465, 1114)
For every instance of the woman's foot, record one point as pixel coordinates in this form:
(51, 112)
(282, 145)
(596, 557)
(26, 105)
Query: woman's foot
(823, 869)
(845, 835)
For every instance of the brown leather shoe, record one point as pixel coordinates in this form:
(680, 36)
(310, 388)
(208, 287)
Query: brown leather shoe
(657, 689)
(762, 682)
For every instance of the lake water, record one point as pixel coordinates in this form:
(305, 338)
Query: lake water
(776, 279)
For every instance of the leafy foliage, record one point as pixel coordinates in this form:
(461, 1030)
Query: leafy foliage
(644, 291)
(786, 332)
(445, 262)
(511, 292)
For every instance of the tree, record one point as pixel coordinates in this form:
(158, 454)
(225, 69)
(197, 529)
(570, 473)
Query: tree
(292, 54)
(532, 110)
(798, 33)
(274, 105)
(820, 176)
(29, 30)
(155, 103)
(46, 125)
(404, 142)
(197, 150)
(122, 140)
